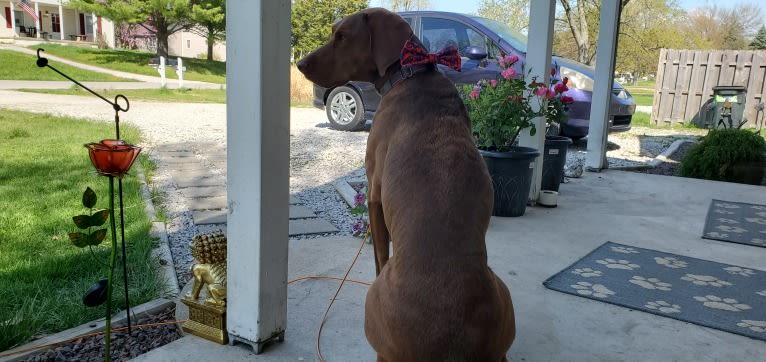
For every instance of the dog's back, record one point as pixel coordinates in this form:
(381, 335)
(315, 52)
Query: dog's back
(442, 302)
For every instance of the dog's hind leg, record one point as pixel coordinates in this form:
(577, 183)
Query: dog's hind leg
(380, 236)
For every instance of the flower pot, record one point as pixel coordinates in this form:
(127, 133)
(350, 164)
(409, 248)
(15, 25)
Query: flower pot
(554, 159)
(511, 174)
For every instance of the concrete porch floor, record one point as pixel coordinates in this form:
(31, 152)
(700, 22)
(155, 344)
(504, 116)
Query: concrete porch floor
(648, 211)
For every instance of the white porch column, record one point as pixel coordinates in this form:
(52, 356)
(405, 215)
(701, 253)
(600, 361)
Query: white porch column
(13, 19)
(541, 17)
(95, 26)
(61, 22)
(258, 136)
(602, 88)
(37, 23)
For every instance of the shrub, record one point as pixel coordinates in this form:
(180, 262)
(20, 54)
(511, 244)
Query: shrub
(717, 153)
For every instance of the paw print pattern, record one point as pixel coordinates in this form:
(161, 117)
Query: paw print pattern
(762, 293)
(731, 229)
(725, 205)
(704, 280)
(723, 212)
(735, 270)
(762, 213)
(755, 326)
(729, 304)
(587, 272)
(671, 262)
(756, 220)
(724, 220)
(624, 250)
(758, 207)
(715, 234)
(664, 307)
(617, 264)
(650, 283)
(596, 290)
(758, 241)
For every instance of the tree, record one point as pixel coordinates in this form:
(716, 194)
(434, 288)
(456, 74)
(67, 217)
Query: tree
(210, 17)
(759, 42)
(581, 19)
(721, 28)
(160, 17)
(514, 13)
(407, 5)
(312, 21)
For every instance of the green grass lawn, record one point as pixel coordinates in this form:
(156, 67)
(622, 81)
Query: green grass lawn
(44, 170)
(134, 61)
(151, 95)
(20, 66)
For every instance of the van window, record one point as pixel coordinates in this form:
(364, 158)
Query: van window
(439, 33)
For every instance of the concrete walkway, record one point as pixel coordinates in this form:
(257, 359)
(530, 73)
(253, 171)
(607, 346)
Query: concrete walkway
(649, 211)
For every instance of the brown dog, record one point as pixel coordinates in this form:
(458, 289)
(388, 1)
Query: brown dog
(429, 192)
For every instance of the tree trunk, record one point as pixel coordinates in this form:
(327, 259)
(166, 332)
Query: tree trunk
(210, 43)
(161, 26)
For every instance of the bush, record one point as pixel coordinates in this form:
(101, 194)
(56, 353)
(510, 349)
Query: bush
(716, 155)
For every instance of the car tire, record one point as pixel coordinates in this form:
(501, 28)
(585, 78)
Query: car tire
(345, 110)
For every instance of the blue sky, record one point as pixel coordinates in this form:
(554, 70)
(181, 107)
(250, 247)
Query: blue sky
(471, 6)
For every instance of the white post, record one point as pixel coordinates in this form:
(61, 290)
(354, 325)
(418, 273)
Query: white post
(258, 135)
(38, 24)
(180, 72)
(61, 22)
(161, 70)
(13, 19)
(541, 15)
(95, 26)
(595, 160)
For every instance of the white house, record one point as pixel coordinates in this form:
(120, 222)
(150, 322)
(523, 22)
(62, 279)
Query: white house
(55, 21)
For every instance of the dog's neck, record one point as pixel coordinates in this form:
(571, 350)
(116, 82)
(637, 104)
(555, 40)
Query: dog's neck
(396, 74)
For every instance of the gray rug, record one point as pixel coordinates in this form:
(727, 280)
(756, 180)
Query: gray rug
(737, 222)
(710, 294)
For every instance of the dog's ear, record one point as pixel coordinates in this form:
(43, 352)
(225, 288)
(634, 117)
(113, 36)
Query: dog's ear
(388, 32)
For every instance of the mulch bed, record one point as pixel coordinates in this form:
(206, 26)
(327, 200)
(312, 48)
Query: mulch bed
(123, 347)
(671, 166)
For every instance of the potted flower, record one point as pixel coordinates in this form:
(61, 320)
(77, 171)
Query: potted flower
(499, 110)
(556, 146)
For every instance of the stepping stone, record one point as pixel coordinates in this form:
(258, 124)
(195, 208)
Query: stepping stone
(177, 160)
(186, 166)
(199, 182)
(207, 203)
(203, 217)
(294, 200)
(311, 226)
(204, 191)
(200, 172)
(301, 212)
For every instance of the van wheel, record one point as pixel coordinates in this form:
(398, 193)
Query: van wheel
(345, 110)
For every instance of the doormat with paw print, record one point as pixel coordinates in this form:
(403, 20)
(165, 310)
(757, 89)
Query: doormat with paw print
(737, 222)
(710, 294)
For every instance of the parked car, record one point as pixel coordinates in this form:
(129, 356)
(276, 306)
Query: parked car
(480, 42)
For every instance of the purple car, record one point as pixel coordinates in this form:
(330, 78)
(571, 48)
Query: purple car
(480, 42)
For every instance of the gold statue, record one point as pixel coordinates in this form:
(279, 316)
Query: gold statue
(210, 252)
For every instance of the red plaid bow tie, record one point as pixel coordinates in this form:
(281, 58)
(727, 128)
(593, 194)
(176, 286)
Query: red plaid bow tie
(414, 54)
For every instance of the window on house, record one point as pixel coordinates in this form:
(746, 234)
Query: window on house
(188, 43)
(55, 23)
(89, 19)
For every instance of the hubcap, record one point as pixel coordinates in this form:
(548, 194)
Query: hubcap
(343, 108)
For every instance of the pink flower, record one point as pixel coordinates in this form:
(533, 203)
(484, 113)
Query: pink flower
(567, 100)
(541, 91)
(359, 199)
(493, 82)
(511, 59)
(475, 93)
(549, 93)
(560, 88)
(508, 73)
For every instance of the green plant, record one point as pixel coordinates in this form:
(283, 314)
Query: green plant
(717, 154)
(501, 108)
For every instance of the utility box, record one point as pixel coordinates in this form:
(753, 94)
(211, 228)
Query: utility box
(727, 108)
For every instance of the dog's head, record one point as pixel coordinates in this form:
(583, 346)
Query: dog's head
(362, 46)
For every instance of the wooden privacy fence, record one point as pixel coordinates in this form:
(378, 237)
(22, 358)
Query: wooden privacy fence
(685, 81)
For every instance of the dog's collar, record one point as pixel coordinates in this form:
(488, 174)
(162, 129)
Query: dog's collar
(401, 75)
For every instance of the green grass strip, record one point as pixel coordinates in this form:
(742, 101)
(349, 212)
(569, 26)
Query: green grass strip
(20, 66)
(134, 61)
(44, 170)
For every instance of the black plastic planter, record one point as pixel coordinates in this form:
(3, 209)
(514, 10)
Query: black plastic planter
(511, 174)
(554, 160)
